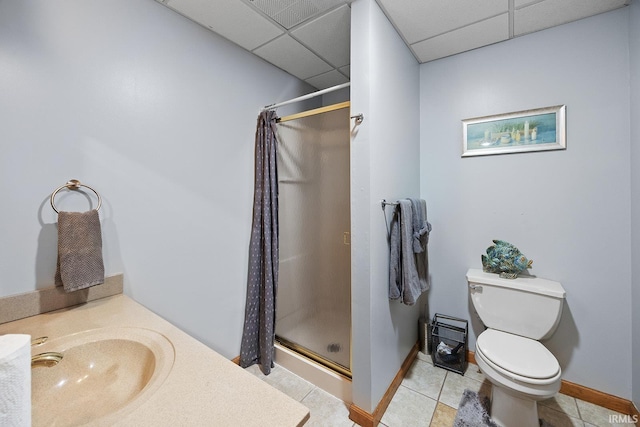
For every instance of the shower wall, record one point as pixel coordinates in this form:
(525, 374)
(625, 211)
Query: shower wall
(313, 308)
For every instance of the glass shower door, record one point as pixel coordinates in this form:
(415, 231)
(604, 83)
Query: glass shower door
(313, 306)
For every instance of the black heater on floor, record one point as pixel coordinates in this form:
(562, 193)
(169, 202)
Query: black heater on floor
(449, 343)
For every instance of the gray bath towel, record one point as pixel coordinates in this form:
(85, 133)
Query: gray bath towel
(80, 262)
(421, 227)
(408, 255)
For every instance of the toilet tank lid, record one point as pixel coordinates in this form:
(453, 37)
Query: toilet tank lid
(525, 283)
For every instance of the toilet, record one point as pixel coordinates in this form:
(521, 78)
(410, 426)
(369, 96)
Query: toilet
(518, 313)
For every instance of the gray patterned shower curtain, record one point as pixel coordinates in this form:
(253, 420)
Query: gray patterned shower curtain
(258, 335)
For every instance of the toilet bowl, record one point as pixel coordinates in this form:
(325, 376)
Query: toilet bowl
(522, 371)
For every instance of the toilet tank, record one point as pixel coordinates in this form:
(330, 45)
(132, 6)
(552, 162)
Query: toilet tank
(526, 306)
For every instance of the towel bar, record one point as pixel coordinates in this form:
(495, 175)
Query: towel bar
(74, 184)
(384, 203)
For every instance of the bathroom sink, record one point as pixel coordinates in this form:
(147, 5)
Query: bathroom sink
(103, 375)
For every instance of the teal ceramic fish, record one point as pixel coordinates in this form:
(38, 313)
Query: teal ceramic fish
(505, 259)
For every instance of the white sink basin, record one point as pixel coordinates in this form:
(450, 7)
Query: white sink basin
(104, 374)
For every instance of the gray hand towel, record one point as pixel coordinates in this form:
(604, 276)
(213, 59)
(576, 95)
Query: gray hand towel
(80, 262)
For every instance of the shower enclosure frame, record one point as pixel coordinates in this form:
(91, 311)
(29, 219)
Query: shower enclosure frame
(301, 349)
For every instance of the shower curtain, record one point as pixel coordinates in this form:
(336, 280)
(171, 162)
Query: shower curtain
(262, 279)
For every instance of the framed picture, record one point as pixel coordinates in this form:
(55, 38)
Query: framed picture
(530, 130)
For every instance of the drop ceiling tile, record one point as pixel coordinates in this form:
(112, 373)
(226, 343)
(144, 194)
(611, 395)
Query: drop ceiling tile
(323, 81)
(522, 3)
(286, 53)
(230, 19)
(346, 70)
(550, 13)
(483, 33)
(272, 7)
(290, 13)
(419, 20)
(328, 36)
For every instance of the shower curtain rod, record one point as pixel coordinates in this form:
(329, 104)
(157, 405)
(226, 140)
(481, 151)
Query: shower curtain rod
(304, 97)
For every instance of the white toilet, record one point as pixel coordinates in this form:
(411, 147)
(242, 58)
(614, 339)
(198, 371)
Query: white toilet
(517, 313)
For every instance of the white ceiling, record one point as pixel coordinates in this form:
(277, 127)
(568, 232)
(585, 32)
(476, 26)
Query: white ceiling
(310, 38)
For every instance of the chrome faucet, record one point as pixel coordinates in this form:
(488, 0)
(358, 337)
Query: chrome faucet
(48, 358)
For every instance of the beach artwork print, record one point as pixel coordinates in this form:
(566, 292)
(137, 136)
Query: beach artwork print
(530, 130)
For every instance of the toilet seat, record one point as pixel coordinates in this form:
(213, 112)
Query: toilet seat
(519, 358)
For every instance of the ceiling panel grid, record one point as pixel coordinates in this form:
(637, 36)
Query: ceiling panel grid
(310, 39)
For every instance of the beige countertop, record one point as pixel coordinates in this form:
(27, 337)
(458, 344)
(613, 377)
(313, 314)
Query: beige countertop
(202, 389)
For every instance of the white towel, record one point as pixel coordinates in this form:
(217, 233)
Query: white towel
(15, 380)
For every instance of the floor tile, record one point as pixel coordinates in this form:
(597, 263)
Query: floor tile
(425, 379)
(326, 410)
(562, 403)
(454, 386)
(424, 357)
(444, 416)
(288, 383)
(597, 415)
(629, 424)
(255, 370)
(429, 397)
(558, 418)
(409, 408)
(474, 373)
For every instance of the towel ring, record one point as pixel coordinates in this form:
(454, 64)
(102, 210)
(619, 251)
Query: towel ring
(74, 184)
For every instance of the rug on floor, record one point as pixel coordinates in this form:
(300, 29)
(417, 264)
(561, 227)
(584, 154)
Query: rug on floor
(474, 412)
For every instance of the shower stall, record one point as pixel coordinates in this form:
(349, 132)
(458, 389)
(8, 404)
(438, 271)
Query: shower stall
(313, 305)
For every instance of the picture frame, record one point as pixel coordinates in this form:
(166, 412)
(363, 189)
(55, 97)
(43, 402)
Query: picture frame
(538, 129)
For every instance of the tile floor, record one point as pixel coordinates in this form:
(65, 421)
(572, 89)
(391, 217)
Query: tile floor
(429, 397)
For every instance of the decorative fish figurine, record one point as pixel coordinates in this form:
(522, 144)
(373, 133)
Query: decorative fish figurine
(505, 259)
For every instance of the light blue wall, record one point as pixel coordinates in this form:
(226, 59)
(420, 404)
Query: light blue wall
(158, 114)
(569, 210)
(384, 165)
(634, 51)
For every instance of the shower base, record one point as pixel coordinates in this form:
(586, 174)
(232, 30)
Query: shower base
(315, 345)
(317, 374)
(324, 333)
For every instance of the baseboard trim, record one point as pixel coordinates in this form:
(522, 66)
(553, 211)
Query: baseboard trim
(599, 398)
(360, 416)
(590, 395)
(471, 357)
(365, 419)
